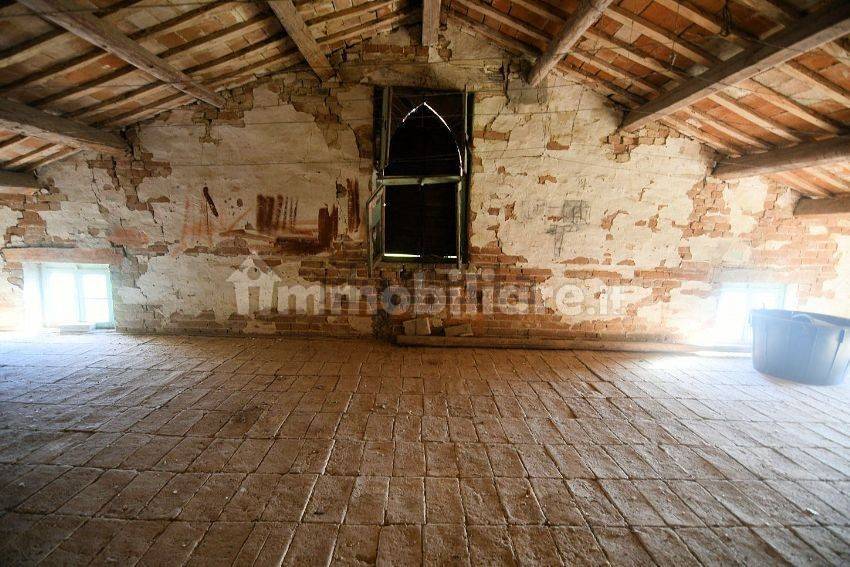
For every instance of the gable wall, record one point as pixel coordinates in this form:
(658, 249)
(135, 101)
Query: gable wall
(560, 207)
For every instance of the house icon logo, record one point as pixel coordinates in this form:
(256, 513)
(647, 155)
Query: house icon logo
(253, 273)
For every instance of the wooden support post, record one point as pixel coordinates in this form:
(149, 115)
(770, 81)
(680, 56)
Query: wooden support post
(430, 22)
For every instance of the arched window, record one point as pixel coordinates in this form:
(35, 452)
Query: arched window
(418, 212)
(423, 145)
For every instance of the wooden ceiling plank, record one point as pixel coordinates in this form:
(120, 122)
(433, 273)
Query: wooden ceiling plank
(383, 23)
(30, 121)
(631, 99)
(771, 126)
(23, 51)
(728, 130)
(630, 52)
(25, 161)
(287, 58)
(67, 14)
(61, 154)
(661, 35)
(826, 179)
(503, 18)
(198, 44)
(615, 71)
(587, 14)
(792, 107)
(707, 21)
(811, 32)
(143, 36)
(296, 29)
(430, 22)
(807, 207)
(834, 91)
(508, 42)
(17, 183)
(800, 184)
(626, 50)
(147, 90)
(809, 154)
(354, 11)
(700, 135)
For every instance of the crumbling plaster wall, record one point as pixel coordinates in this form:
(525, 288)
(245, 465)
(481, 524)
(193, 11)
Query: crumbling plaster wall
(557, 198)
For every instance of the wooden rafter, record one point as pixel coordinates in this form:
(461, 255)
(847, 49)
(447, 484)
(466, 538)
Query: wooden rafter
(144, 36)
(286, 55)
(295, 27)
(69, 15)
(810, 154)
(588, 12)
(29, 121)
(628, 51)
(226, 34)
(21, 52)
(827, 25)
(430, 21)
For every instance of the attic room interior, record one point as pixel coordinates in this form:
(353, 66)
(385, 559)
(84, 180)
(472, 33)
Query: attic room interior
(444, 282)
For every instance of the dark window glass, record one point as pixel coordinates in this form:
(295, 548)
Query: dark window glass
(421, 220)
(422, 146)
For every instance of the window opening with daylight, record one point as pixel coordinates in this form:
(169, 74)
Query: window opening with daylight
(737, 300)
(64, 294)
(418, 211)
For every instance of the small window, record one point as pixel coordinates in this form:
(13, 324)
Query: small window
(737, 300)
(418, 211)
(63, 294)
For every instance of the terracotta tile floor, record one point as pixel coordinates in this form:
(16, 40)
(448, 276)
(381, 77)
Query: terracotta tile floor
(201, 451)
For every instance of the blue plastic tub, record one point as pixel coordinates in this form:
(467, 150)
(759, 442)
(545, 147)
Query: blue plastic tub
(804, 347)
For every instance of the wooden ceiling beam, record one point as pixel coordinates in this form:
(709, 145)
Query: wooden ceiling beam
(17, 183)
(197, 44)
(812, 31)
(280, 41)
(430, 22)
(67, 14)
(296, 29)
(807, 207)
(285, 59)
(30, 48)
(30, 121)
(809, 154)
(587, 14)
(143, 36)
